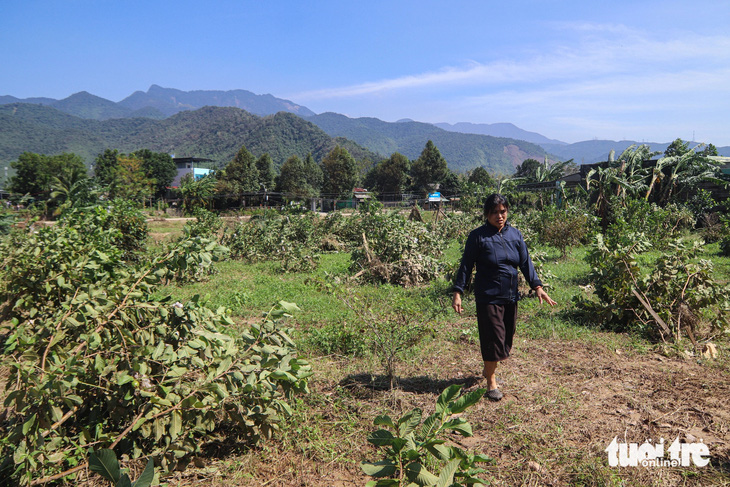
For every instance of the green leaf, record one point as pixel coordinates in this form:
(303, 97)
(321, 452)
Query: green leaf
(408, 422)
(383, 420)
(125, 481)
(223, 366)
(417, 473)
(381, 438)
(383, 483)
(29, 423)
(439, 451)
(430, 426)
(289, 307)
(104, 462)
(446, 397)
(147, 476)
(158, 350)
(175, 424)
(460, 426)
(383, 468)
(466, 401)
(446, 478)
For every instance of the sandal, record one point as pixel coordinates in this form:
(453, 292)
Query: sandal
(494, 395)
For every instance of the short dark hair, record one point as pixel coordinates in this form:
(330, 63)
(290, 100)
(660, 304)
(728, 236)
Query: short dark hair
(494, 200)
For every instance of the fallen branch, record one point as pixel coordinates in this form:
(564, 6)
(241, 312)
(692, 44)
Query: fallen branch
(651, 311)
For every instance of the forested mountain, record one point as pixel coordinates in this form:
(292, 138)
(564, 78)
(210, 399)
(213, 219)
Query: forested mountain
(461, 151)
(590, 151)
(170, 101)
(159, 102)
(498, 130)
(211, 132)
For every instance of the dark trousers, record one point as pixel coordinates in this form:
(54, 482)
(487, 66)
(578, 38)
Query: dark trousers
(497, 323)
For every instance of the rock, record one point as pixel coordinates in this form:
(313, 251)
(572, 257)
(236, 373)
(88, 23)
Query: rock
(534, 466)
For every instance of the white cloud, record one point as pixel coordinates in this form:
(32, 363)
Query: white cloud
(599, 80)
(604, 52)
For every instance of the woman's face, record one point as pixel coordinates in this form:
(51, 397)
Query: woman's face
(498, 216)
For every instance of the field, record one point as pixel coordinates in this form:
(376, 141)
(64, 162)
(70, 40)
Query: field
(569, 389)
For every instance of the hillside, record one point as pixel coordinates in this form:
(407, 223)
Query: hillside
(461, 151)
(158, 102)
(212, 132)
(591, 151)
(498, 130)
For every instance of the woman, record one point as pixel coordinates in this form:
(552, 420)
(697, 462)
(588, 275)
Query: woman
(497, 249)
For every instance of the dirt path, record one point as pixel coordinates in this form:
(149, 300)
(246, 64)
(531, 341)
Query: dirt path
(564, 403)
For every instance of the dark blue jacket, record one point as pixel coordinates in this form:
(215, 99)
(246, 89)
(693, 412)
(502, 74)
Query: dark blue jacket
(497, 255)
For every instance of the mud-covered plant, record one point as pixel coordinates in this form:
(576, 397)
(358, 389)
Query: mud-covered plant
(417, 451)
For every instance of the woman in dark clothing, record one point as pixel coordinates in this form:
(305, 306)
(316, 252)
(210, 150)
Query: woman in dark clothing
(498, 250)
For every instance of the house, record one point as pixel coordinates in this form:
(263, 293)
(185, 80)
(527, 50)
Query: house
(190, 165)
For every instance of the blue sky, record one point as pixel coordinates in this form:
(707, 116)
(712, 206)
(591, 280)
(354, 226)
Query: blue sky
(570, 70)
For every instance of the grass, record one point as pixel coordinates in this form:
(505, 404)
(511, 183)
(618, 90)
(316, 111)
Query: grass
(569, 386)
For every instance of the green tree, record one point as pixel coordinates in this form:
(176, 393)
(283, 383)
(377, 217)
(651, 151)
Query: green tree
(528, 169)
(241, 174)
(73, 190)
(340, 173)
(313, 174)
(709, 150)
(293, 179)
(390, 175)
(534, 171)
(196, 193)
(267, 173)
(482, 177)
(35, 173)
(430, 168)
(130, 180)
(158, 166)
(105, 165)
(451, 183)
(677, 148)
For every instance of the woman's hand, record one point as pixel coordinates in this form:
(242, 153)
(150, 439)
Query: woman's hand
(543, 296)
(456, 302)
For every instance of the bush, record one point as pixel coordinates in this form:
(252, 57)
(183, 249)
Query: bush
(656, 223)
(563, 228)
(207, 224)
(397, 251)
(290, 240)
(94, 359)
(127, 226)
(676, 292)
(725, 246)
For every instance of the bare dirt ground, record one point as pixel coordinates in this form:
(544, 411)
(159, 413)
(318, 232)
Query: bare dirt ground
(564, 403)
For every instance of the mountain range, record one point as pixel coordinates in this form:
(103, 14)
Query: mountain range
(172, 120)
(216, 133)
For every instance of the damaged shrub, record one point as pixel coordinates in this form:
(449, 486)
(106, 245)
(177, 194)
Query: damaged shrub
(674, 295)
(397, 251)
(93, 359)
(290, 240)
